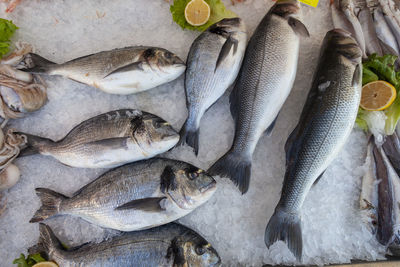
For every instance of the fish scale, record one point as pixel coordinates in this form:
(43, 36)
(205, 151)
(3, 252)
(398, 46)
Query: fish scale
(324, 126)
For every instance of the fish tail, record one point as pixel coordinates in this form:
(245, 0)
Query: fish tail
(51, 202)
(40, 64)
(47, 243)
(285, 226)
(190, 136)
(34, 145)
(234, 166)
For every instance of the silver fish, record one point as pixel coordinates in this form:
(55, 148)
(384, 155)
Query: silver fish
(348, 8)
(265, 81)
(213, 63)
(133, 197)
(120, 71)
(171, 245)
(108, 140)
(339, 19)
(391, 18)
(372, 44)
(383, 30)
(324, 126)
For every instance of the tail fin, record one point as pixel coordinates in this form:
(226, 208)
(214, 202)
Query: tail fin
(286, 227)
(234, 166)
(35, 144)
(47, 243)
(40, 64)
(190, 137)
(50, 204)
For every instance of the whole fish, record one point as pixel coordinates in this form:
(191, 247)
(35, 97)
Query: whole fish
(120, 71)
(391, 19)
(108, 140)
(372, 44)
(324, 126)
(383, 30)
(213, 63)
(347, 6)
(339, 19)
(170, 245)
(265, 81)
(135, 196)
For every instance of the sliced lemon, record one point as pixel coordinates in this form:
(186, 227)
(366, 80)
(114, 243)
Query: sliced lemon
(45, 264)
(197, 12)
(377, 95)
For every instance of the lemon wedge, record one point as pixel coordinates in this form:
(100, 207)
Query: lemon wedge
(377, 95)
(45, 264)
(197, 12)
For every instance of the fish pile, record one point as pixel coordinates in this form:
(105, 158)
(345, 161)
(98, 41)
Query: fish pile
(143, 195)
(375, 24)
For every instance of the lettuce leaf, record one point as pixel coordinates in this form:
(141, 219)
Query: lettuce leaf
(218, 12)
(7, 29)
(384, 68)
(29, 261)
(368, 76)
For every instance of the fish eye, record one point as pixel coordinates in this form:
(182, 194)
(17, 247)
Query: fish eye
(168, 55)
(200, 250)
(192, 175)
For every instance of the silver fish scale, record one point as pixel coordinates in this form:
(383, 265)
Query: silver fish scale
(264, 82)
(324, 133)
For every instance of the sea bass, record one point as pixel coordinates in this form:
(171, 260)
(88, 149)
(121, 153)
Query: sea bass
(324, 126)
(120, 71)
(135, 196)
(213, 63)
(108, 140)
(169, 245)
(265, 81)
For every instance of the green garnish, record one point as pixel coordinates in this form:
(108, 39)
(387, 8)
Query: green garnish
(7, 29)
(382, 68)
(218, 12)
(29, 261)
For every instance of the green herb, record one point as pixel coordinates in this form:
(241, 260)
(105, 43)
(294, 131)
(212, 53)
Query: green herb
(217, 8)
(7, 29)
(29, 261)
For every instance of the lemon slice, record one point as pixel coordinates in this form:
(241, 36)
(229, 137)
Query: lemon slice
(45, 264)
(197, 12)
(377, 95)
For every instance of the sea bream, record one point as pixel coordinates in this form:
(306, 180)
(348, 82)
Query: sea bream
(108, 140)
(133, 197)
(213, 63)
(326, 122)
(171, 245)
(264, 82)
(120, 71)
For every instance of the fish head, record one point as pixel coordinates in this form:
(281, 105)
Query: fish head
(193, 250)
(287, 8)
(187, 186)
(340, 41)
(152, 133)
(162, 60)
(228, 26)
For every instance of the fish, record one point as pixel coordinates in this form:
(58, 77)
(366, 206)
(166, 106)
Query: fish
(339, 19)
(121, 71)
(264, 82)
(348, 8)
(372, 44)
(391, 19)
(213, 64)
(391, 146)
(108, 140)
(169, 245)
(369, 189)
(132, 197)
(326, 122)
(383, 31)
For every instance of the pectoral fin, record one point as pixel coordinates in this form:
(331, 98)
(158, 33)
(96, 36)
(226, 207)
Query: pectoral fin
(298, 27)
(110, 143)
(268, 132)
(230, 43)
(151, 204)
(130, 67)
(357, 76)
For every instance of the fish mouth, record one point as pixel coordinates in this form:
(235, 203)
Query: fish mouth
(210, 186)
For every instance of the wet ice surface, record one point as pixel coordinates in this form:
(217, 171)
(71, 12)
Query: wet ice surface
(234, 224)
